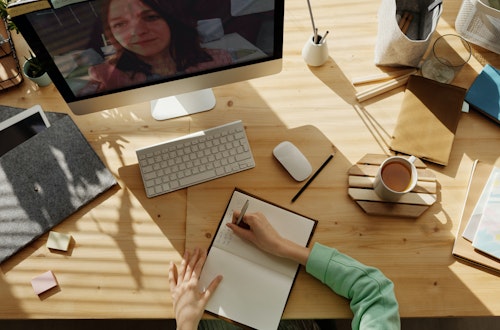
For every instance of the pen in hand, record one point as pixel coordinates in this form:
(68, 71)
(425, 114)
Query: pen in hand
(239, 222)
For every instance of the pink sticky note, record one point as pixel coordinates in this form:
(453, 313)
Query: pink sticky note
(43, 282)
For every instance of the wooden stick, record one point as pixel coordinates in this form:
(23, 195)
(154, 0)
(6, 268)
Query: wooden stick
(380, 76)
(403, 19)
(406, 25)
(390, 85)
(409, 198)
(367, 182)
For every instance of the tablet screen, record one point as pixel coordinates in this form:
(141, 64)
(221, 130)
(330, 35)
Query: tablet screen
(21, 131)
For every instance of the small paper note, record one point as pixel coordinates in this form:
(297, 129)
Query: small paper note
(43, 282)
(58, 241)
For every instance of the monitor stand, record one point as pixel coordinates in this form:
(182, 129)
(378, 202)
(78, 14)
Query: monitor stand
(183, 104)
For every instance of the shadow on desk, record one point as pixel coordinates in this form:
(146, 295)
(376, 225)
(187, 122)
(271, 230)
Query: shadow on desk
(170, 220)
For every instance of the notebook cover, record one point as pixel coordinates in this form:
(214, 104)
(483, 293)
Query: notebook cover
(428, 119)
(46, 179)
(484, 93)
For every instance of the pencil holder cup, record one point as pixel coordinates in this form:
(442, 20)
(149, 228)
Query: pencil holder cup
(315, 53)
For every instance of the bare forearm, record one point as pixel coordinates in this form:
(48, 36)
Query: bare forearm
(290, 250)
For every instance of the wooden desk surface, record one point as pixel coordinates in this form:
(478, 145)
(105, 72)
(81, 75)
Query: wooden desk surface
(123, 242)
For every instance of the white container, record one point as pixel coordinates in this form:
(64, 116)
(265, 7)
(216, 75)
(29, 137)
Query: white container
(479, 24)
(315, 54)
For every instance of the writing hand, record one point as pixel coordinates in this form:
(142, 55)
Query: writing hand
(261, 233)
(258, 231)
(189, 302)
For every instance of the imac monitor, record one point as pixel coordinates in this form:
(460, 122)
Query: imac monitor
(104, 54)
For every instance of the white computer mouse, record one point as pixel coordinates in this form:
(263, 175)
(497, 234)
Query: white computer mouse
(293, 160)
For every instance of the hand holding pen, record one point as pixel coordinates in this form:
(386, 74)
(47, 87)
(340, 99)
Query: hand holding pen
(265, 237)
(258, 231)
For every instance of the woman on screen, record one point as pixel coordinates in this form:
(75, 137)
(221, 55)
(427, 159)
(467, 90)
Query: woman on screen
(150, 43)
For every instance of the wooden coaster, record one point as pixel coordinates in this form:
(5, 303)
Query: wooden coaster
(412, 204)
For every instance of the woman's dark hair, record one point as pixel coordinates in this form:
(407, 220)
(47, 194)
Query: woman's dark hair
(184, 47)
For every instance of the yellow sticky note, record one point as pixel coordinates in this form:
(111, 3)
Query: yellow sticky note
(58, 241)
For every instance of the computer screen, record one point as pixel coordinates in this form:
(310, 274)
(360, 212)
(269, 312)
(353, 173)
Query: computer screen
(104, 54)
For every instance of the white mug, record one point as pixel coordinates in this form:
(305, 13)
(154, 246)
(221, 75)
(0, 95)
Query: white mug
(396, 176)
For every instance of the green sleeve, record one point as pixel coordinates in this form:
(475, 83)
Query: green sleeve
(371, 294)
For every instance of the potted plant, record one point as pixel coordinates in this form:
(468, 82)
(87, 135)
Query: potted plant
(34, 70)
(5, 16)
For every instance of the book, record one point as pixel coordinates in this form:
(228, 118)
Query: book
(428, 119)
(256, 284)
(487, 237)
(21, 7)
(462, 247)
(484, 93)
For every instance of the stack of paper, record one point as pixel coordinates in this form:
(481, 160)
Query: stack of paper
(478, 238)
(484, 230)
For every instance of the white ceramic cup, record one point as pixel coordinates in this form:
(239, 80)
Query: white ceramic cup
(396, 176)
(315, 53)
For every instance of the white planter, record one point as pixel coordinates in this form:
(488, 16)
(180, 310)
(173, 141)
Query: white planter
(41, 81)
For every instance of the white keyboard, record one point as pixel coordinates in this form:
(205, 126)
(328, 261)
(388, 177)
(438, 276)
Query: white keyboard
(195, 158)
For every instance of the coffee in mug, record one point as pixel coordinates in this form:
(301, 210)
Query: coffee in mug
(396, 176)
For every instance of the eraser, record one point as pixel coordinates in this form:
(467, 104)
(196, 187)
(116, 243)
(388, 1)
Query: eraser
(58, 241)
(43, 282)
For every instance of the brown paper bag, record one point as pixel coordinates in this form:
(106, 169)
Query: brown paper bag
(428, 119)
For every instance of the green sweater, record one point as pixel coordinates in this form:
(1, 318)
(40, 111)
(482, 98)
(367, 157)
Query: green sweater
(371, 294)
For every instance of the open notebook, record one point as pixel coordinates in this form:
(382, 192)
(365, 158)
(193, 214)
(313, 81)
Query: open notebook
(256, 285)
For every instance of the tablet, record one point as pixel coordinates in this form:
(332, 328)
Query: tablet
(21, 127)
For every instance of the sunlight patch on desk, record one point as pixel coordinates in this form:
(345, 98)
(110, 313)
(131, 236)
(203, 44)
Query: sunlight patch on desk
(465, 272)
